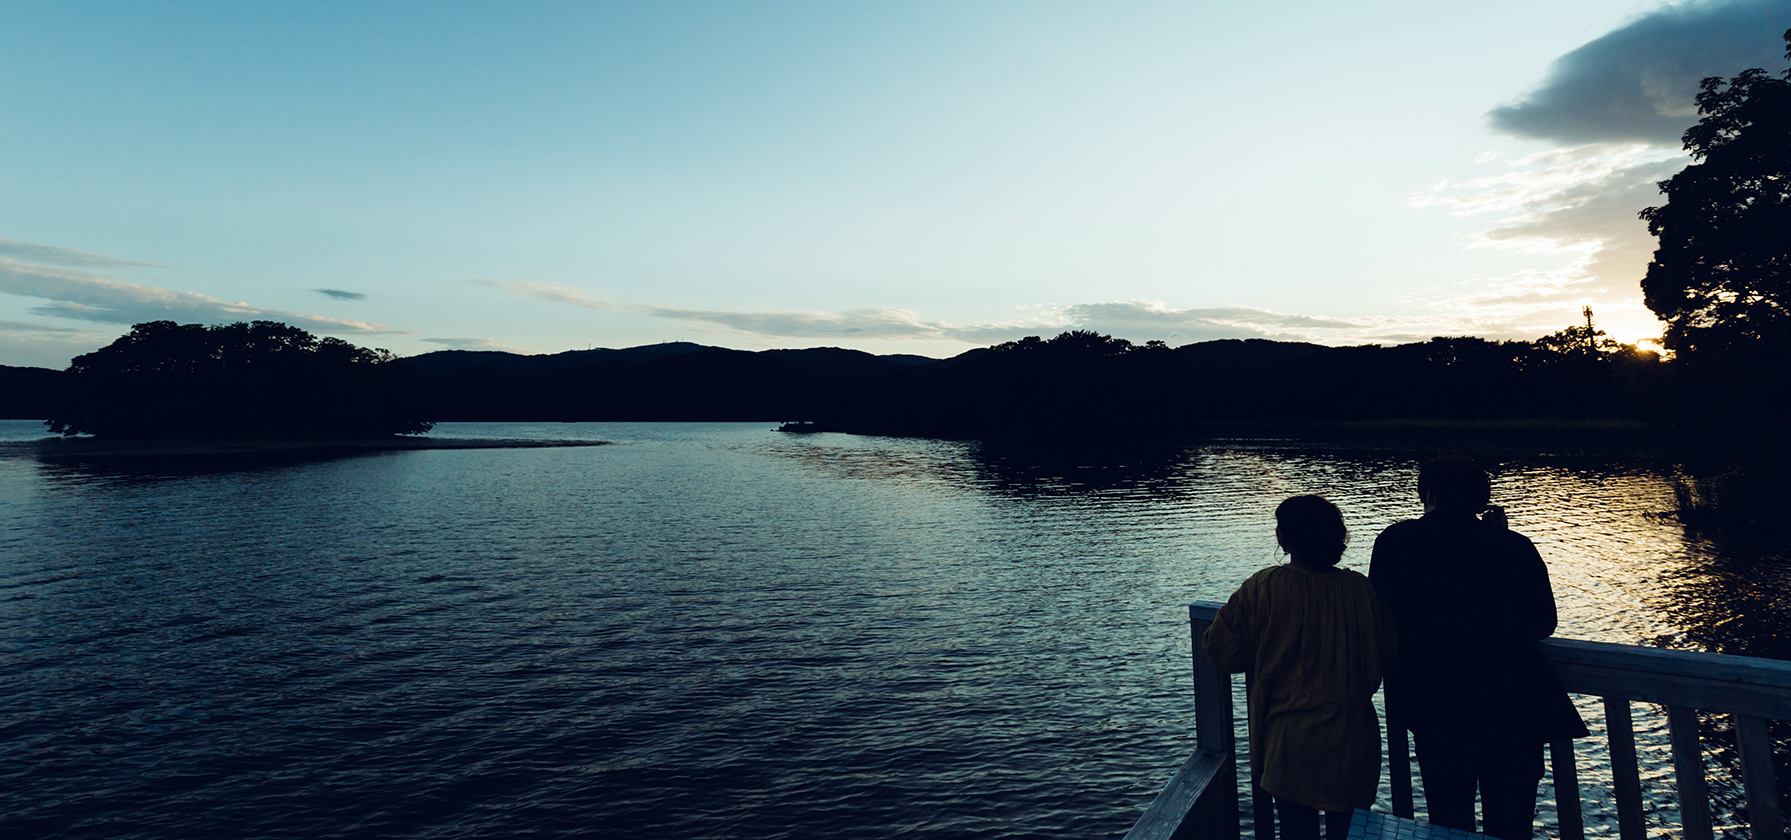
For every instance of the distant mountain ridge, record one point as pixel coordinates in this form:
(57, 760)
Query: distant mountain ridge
(671, 381)
(448, 361)
(1076, 384)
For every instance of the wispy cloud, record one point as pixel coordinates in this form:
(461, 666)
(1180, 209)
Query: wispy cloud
(52, 255)
(1574, 207)
(871, 323)
(472, 344)
(341, 295)
(1154, 318)
(18, 328)
(1133, 320)
(45, 345)
(81, 296)
(556, 293)
(1637, 82)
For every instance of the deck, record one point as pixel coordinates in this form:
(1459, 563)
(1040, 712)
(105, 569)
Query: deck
(1202, 800)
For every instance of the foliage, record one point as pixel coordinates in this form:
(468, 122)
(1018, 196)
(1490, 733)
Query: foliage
(261, 379)
(1083, 385)
(1085, 343)
(1721, 278)
(1584, 341)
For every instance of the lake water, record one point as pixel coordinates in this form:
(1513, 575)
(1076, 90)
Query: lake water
(707, 630)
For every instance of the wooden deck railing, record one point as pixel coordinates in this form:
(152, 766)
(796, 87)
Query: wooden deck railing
(1202, 800)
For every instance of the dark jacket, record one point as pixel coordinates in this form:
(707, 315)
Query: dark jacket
(1470, 600)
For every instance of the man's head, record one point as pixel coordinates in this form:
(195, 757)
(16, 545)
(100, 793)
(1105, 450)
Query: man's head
(1454, 483)
(1311, 527)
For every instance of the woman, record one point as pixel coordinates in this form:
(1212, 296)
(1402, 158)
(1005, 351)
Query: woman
(1317, 640)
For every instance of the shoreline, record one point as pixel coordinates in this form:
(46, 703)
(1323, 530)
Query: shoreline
(97, 448)
(1621, 431)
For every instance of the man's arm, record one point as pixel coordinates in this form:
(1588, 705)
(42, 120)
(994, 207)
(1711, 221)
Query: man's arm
(1386, 638)
(1383, 570)
(1536, 605)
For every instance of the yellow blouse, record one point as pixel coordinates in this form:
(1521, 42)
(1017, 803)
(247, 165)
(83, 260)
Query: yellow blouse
(1317, 644)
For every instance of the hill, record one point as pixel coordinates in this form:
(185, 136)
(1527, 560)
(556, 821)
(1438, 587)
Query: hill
(1074, 384)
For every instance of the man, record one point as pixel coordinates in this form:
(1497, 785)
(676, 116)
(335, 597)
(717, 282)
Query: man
(1470, 598)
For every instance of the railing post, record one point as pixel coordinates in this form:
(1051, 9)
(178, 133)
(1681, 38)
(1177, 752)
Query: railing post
(1626, 777)
(1213, 731)
(1567, 790)
(1752, 738)
(1202, 800)
(1688, 772)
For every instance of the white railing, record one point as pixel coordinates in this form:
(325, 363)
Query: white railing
(1202, 800)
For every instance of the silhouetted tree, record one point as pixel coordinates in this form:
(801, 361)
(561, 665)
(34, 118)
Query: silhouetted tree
(262, 379)
(1071, 343)
(1721, 278)
(1587, 341)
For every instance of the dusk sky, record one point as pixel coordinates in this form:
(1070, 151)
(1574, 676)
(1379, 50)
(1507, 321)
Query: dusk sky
(897, 177)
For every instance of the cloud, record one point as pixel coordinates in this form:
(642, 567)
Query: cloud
(1636, 84)
(1598, 216)
(1618, 105)
(22, 328)
(341, 295)
(46, 345)
(473, 344)
(1134, 320)
(1576, 207)
(870, 323)
(1153, 318)
(52, 255)
(81, 296)
(555, 293)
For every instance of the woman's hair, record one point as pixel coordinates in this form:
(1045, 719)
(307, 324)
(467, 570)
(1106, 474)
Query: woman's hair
(1313, 527)
(1454, 482)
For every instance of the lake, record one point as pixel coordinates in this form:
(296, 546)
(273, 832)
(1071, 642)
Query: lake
(711, 630)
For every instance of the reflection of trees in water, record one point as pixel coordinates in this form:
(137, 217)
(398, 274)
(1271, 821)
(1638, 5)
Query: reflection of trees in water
(876, 459)
(1729, 597)
(149, 468)
(1012, 470)
(1026, 470)
(1728, 799)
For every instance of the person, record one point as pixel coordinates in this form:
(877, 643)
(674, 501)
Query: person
(1470, 599)
(1316, 639)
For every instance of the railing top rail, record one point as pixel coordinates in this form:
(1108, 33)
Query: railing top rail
(1672, 663)
(1712, 682)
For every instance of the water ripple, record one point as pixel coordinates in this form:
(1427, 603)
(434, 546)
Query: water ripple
(706, 630)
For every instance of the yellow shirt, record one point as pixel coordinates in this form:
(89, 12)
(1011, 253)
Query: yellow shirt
(1317, 644)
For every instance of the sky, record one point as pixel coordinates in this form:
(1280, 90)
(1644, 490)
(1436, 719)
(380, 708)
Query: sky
(896, 177)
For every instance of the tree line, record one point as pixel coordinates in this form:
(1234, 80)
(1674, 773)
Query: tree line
(266, 379)
(260, 379)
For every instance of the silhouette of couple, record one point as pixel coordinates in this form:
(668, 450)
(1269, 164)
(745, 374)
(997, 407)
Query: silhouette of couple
(1449, 614)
